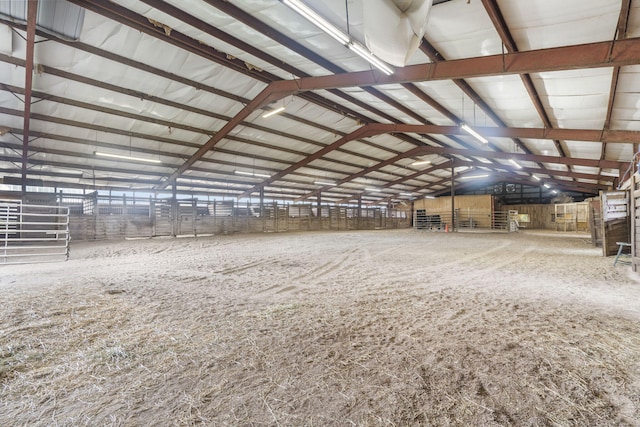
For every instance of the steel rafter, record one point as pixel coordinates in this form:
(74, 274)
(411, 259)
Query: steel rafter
(507, 40)
(621, 33)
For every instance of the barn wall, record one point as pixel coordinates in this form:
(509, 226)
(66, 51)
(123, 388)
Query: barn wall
(540, 216)
(482, 202)
(615, 220)
(473, 211)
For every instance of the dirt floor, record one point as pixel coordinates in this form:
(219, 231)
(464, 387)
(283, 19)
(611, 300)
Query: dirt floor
(367, 328)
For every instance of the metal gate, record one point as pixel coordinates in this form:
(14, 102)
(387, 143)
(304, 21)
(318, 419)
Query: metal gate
(162, 219)
(33, 233)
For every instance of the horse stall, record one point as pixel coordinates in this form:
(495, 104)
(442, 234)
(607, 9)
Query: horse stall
(615, 224)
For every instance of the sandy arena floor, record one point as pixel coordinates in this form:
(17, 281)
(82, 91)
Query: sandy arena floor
(346, 328)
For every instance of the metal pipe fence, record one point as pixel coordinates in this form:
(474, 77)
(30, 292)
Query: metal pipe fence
(33, 233)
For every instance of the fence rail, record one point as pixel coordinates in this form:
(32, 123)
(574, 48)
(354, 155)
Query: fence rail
(95, 216)
(463, 219)
(32, 233)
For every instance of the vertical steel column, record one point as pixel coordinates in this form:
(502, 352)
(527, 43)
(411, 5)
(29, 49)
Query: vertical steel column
(32, 14)
(174, 209)
(453, 195)
(319, 209)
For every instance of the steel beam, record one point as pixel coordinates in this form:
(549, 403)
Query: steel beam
(621, 33)
(501, 26)
(590, 55)
(32, 14)
(362, 132)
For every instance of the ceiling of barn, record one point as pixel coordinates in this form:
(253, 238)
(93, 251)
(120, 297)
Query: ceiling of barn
(179, 89)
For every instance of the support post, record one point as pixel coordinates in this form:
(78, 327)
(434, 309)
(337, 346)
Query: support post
(174, 209)
(262, 218)
(359, 219)
(319, 210)
(453, 196)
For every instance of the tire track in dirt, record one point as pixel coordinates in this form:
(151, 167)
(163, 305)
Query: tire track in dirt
(331, 267)
(408, 273)
(243, 267)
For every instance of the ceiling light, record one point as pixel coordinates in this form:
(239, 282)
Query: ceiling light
(118, 156)
(365, 54)
(406, 194)
(324, 183)
(337, 34)
(429, 197)
(474, 176)
(546, 186)
(373, 189)
(536, 178)
(465, 127)
(516, 164)
(317, 20)
(273, 112)
(554, 191)
(421, 162)
(252, 174)
(611, 174)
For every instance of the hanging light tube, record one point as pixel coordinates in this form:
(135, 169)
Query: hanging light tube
(465, 127)
(365, 54)
(421, 162)
(317, 20)
(324, 183)
(546, 186)
(261, 175)
(406, 194)
(344, 39)
(536, 178)
(118, 156)
(516, 164)
(474, 176)
(273, 112)
(429, 197)
(376, 190)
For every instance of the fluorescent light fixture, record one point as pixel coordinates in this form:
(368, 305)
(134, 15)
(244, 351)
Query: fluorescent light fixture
(546, 186)
(536, 178)
(465, 127)
(611, 174)
(421, 162)
(317, 20)
(516, 164)
(474, 176)
(364, 53)
(118, 156)
(429, 197)
(252, 174)
(373, 189)
(406, 194)
(324, 183)
(554, 191)
(273, 112)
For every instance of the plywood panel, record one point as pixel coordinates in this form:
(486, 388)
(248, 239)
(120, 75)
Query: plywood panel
(540, 216)
(615, 220)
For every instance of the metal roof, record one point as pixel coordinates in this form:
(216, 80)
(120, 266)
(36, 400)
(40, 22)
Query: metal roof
(551, 85)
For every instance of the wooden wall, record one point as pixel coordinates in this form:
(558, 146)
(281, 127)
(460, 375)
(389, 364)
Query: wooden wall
(540, 216)
(615, 220)
(482, 202)
(471, 210)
